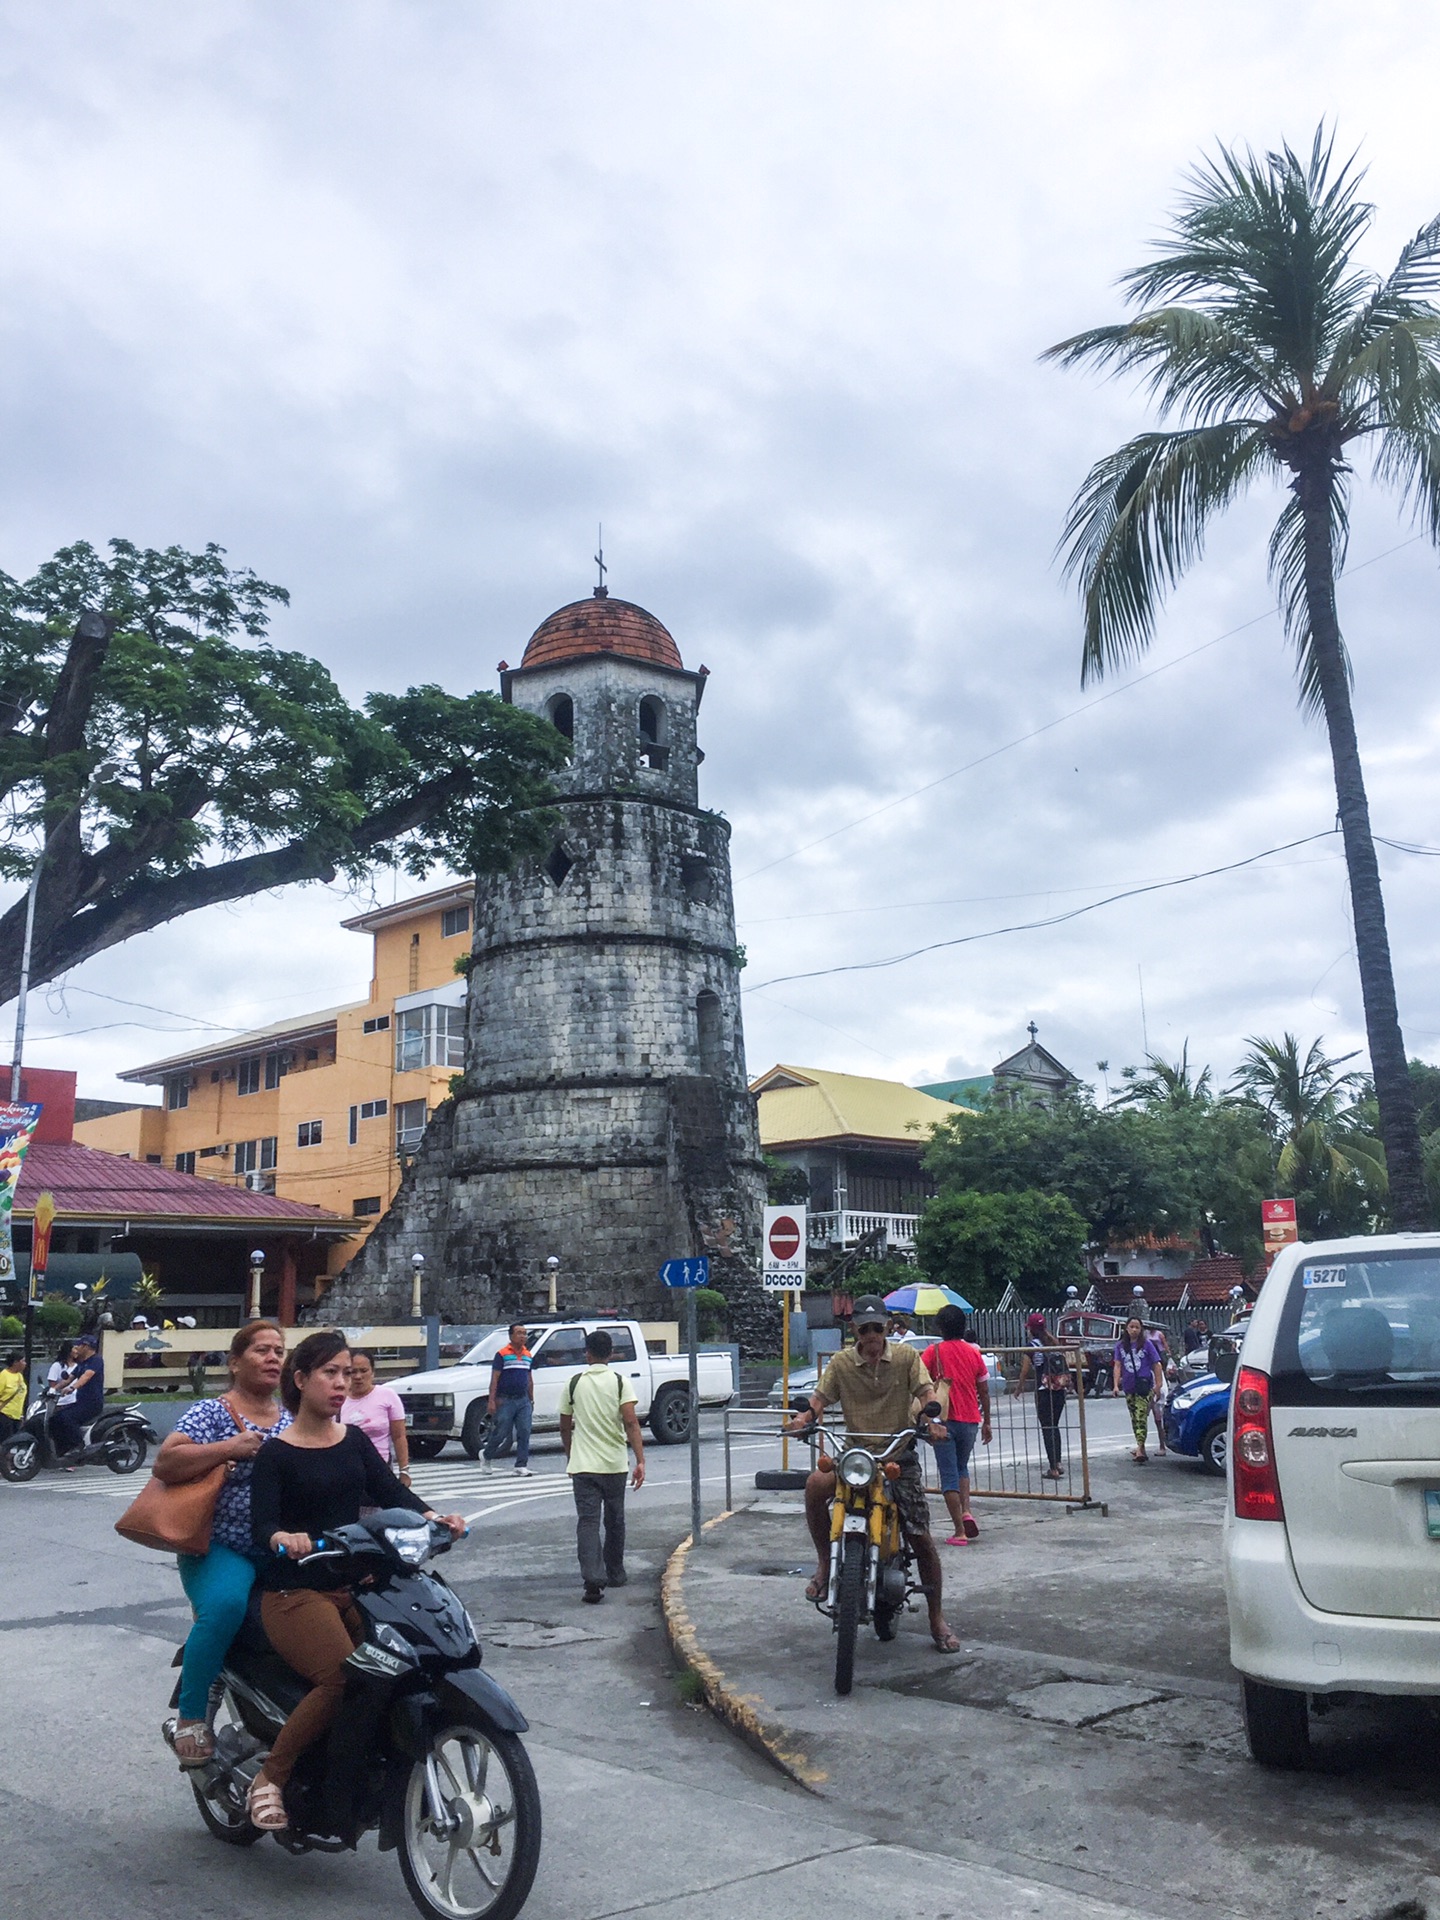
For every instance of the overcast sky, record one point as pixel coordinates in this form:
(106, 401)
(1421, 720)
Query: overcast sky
(396, 301)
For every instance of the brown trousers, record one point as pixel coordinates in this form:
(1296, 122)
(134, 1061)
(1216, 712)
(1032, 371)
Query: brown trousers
(315, 1633)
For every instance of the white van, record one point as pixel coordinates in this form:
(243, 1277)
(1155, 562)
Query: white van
(1332, 1534)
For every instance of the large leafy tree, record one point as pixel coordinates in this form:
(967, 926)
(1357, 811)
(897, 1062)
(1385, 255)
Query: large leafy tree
(980, 1243)
(1274, 355)
(1317, 1116)
(158, 755)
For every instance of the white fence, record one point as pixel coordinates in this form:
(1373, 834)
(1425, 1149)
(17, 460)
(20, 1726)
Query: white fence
(846, 1228)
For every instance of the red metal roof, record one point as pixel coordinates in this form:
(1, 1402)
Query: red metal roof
(87, 1182)
(588, 627)
(1208, 1281)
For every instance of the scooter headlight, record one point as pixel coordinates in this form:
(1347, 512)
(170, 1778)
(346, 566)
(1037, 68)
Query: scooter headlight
(857, 1467)
(411, 1543)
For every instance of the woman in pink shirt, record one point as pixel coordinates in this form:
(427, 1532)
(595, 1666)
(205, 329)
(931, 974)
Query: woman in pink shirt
(378, 1412)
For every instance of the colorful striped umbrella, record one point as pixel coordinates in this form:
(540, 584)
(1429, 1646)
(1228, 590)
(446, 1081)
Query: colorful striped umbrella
(925, 1300)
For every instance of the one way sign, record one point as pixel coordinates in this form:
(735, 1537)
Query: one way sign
(686, 1273)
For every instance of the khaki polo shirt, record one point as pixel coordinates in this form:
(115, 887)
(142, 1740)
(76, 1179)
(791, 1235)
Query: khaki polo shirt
(876, 1401)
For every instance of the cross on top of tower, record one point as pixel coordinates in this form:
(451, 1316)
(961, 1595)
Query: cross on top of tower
(602, 592)
(1032, 1030)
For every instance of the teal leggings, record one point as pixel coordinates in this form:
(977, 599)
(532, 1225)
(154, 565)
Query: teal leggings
(217, 1584)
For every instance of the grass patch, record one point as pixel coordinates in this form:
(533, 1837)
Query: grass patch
(689, 1688)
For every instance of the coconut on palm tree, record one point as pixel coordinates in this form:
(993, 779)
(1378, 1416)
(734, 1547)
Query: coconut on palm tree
(1275, 356)
(1316, 1114)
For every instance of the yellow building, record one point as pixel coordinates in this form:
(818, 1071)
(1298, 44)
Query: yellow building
(322, 1107)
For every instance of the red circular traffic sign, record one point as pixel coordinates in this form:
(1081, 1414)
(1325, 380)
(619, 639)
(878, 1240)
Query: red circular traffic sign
(784, 1237)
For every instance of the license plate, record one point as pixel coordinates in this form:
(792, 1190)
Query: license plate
(1432, 1512)
(855, 1523)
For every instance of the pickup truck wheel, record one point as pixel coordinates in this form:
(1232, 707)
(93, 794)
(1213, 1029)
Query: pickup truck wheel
(670, 1415)
(427, 1446)
(1277, 1725)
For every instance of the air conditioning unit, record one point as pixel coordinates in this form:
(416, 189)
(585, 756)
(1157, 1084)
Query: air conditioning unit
(260, 1182)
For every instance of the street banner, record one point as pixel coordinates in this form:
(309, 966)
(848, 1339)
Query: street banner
(40, 1243)
(17, 1130)
(1277, 1224)
(782, 1249)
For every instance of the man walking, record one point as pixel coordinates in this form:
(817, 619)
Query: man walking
(597, 1421)
(12, 1395)
(512, 1401)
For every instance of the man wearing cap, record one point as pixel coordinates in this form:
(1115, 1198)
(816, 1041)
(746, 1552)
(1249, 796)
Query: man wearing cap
(880, 1387)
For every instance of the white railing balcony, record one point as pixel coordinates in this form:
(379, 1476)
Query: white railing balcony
(844, 1229)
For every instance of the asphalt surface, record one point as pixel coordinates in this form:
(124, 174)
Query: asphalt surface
(942, 1798)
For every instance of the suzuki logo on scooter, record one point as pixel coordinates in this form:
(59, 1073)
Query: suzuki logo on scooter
(1323, 1433)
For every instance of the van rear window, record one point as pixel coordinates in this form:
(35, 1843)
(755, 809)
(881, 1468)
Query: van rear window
(1361, 1329)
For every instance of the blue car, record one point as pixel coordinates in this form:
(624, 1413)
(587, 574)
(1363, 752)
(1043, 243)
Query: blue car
(1196, 1420)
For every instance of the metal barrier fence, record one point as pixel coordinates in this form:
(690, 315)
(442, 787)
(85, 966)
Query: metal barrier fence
(1015, 1465)
(992, 1327)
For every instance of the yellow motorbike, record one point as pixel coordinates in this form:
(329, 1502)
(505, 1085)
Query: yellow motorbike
(871, 1562)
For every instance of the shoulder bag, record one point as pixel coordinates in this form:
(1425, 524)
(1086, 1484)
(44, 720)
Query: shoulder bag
(178, 1518)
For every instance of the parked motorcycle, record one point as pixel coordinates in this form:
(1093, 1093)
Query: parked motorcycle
(871, 1561)
(426, 1747)
(118, 1439)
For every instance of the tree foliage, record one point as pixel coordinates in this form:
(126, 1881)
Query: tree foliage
(1271, 354)
(167, 757)
(980, 1243)
(785, 1186)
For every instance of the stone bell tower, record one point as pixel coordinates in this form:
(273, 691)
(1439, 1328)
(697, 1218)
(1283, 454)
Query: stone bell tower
(603, 1118)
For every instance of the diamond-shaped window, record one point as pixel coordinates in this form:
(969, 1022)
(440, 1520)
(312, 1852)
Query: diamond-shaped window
(558, 863)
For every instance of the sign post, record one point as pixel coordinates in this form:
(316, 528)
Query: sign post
(691, 1275)
(1277, 1222)
(782, 1268)
(18, 1119)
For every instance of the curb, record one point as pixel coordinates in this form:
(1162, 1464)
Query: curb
(738, 1711)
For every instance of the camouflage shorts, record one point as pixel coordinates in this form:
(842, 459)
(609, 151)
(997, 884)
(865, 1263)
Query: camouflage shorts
(909, 1496)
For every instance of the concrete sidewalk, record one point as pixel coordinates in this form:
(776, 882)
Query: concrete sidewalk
(1087, 1737)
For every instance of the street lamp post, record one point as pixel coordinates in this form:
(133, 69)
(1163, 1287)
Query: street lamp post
(257, 1276)
(552, 1266)
(417, 1268)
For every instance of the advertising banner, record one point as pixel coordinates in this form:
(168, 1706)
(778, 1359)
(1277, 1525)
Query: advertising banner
(1277, 1223)
(40, 1243)
(17, 1130)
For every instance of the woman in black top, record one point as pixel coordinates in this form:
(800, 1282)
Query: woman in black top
(323, 1473)
(1046, 1361)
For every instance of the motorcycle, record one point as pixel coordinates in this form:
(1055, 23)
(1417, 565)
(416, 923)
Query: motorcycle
(871, 1562)
(426, 1748)
(118, 1438)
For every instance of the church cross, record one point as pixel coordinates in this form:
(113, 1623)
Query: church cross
(1032, 1030)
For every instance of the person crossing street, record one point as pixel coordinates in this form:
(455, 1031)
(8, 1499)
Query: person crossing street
(512, 1401)
(597, 1422)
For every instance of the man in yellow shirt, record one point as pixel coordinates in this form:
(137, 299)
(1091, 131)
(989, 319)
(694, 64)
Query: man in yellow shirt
(597, 1422)
(12, 1395)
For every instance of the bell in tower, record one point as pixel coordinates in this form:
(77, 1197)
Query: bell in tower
(603, 1118)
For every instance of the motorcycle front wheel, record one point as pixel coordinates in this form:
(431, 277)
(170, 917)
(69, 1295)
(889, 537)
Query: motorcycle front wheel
(125, 1453)
(20, 1458)
(473, 1855)
(850, 1603)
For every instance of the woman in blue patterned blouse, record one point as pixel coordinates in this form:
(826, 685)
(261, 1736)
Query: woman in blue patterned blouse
(217, 1584)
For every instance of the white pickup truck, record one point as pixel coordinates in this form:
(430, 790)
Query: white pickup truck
(451, 1403)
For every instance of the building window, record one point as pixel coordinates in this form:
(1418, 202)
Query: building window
(374, 1109)
(309, 1133)
(380, 1024)
(247, 1077)
(212, 1153)
(410, 1120)
(651, 720)
(154, 1159)
(256, 1156)
(371, 1204)
(276, 1067)
(710, 1026)
(454, 920)
(432, 1036)
(177, 1094)
(185, 1163)
(560, 712)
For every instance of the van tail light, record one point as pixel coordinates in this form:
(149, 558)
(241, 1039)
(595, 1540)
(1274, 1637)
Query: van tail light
(1257, 1485)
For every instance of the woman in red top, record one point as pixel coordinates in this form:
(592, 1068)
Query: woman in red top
(962, 1367)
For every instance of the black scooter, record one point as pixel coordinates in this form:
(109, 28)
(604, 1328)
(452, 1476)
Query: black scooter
(425, 1749)
(118, 1438)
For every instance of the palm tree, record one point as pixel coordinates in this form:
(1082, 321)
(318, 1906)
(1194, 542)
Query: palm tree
(1166, 1084)
(1274, 353)
(1316, 1114)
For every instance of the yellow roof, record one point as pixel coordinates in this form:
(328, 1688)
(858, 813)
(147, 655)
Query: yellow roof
(801, 1104)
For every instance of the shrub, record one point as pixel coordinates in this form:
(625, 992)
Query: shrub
(711, 1308)
(57, 1313)
(12, 1328)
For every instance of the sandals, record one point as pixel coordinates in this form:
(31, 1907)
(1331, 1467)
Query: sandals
(815, 1586)
(971, 1526)
(266, 1806)
(193, 1743)
(948, 1645)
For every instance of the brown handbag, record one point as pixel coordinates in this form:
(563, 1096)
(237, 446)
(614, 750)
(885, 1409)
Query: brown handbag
(176, 1519)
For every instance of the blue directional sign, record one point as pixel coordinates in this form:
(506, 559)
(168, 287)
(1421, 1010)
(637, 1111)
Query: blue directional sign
(687, 1273)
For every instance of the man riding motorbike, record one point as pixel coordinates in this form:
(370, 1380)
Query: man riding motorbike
(880, 1386)
(88, 1388)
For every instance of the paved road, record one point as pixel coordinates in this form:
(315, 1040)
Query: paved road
(649, 1805)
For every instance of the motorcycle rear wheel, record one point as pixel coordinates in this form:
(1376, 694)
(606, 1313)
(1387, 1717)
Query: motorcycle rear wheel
(125, 1453)
(849, 1605)
(20, 1458)
(226, 1820)
(478, 1861)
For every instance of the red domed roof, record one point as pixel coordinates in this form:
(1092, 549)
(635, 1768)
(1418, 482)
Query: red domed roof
(596, 625)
